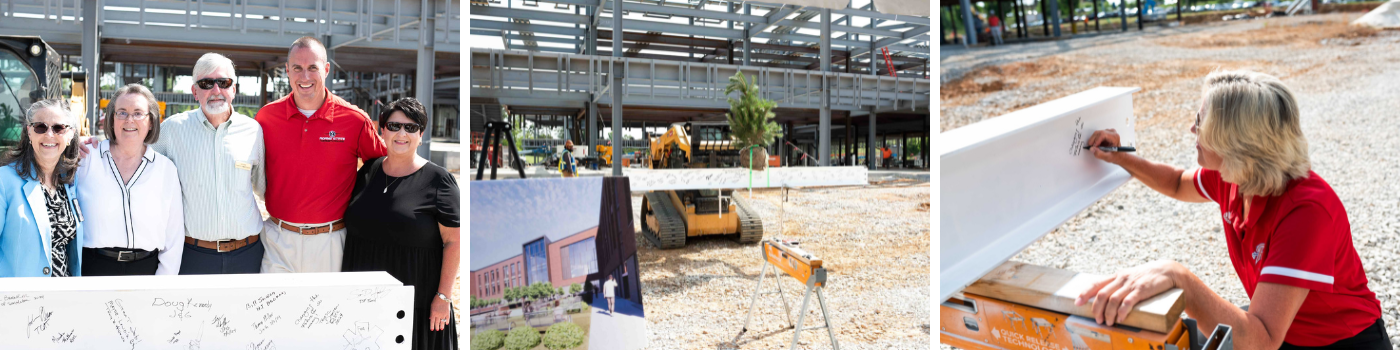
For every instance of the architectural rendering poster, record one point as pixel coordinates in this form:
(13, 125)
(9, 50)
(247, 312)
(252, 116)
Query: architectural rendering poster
(554, 264)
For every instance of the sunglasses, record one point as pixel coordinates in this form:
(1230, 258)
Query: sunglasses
(208, 83)
(412, 128)
(41, 128)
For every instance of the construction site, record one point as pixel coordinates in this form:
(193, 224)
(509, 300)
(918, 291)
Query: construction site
(1340, 64)
(766, 144)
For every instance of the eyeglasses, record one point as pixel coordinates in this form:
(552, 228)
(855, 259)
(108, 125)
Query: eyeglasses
(412, 128)
(208, 83)
(139, 115)
(41, 128)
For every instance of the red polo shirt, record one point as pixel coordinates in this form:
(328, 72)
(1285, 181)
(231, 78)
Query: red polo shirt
(311, 162)
(1302, 239)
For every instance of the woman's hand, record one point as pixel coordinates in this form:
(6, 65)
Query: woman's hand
(1105, 138)
(1115, 296)
(437, 316)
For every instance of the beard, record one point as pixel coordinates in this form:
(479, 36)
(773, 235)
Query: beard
(216, 107)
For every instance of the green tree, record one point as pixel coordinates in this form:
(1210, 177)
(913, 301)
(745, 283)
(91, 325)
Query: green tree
(575, 288)
(751, 120)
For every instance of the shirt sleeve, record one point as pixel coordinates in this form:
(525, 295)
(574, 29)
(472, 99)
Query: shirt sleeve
(371, 146)
(1302, 252)
(448, 198)
(173, 251)
(259, 174)
(1209, 184)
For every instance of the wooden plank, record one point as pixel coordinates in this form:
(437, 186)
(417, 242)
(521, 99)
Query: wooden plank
(1055, 290)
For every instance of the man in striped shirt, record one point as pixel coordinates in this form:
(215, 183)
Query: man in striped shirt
(219, 154)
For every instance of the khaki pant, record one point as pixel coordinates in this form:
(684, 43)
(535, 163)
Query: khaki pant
(291, 251)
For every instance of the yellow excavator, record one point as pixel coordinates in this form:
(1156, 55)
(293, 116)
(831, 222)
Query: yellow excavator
(668, 217)
(31, 71)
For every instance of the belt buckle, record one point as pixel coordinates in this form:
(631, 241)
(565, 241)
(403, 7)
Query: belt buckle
(219, 246)
(125, 256)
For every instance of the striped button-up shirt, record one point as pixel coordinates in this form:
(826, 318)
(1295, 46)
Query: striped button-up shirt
(221, 172)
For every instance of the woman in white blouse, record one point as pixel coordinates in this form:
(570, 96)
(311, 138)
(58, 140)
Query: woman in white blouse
(131, 194)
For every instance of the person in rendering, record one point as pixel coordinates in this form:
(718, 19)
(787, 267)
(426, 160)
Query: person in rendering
(1288, 233)
(42, 231)
(314, 140)
(567, 168)
(995, 23)
(610, 292)
(131, 194)
(220, 156)
(403, 218)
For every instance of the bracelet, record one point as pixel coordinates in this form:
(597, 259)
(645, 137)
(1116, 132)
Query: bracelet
(443, 297)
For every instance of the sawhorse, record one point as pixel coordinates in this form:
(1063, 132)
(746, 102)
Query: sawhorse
(803, 266)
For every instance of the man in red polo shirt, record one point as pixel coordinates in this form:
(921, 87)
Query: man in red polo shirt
(1286, 229)
(314, 143)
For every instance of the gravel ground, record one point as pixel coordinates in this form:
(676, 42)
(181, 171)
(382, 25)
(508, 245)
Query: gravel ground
(1345, 82)
(873, 239)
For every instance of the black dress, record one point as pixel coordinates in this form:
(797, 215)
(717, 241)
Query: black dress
(392, 225)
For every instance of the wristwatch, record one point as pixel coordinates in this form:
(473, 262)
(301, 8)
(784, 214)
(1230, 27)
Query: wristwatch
(443, 297)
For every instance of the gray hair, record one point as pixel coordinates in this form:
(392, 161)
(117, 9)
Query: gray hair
(22, 156)
(152, 109)
(209, 63)
(1251, 120)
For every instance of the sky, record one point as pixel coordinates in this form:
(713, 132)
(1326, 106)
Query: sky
(507, 213)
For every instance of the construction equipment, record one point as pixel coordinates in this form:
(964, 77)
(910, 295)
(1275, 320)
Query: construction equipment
(496, 131)
(683, 142)
(805, 267)
(605, 153)
(30, 71)
(668, 217)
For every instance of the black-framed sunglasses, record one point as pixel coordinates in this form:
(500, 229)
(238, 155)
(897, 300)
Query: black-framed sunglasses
(208, 83)
(41, 128)
(412, 128)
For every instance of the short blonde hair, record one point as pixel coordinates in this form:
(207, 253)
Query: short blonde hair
(1251, 120)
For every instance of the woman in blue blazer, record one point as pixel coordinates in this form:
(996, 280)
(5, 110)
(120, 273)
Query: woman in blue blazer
(41, 234)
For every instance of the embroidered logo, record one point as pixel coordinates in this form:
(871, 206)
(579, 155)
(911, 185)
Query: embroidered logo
(330, 137)
(1258, 251)
(1228, 217)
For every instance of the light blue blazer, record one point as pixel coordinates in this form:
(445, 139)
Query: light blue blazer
(26, 234)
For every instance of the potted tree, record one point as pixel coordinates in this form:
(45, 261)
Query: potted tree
(751, 122)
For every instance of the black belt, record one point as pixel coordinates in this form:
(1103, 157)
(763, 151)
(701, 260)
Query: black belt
(126, 255)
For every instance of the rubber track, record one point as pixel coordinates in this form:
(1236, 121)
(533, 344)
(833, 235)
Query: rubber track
(750, 224)
(672, 228)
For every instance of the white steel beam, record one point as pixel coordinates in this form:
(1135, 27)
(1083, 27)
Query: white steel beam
(1009, 180)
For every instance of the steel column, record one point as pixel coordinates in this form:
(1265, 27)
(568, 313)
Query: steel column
(871, 154)
(423, 80)
(966, 9)
(91, 66)
(824, 126)
(618, 89)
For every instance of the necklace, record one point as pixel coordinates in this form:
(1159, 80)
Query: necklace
(389, 182)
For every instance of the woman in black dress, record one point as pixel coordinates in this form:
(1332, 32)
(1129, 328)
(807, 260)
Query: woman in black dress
(403, 219)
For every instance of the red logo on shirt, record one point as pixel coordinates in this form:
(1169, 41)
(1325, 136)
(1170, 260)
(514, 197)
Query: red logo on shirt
(330, 137)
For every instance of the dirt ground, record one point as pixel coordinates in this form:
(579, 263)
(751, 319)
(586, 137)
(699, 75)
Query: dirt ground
(874, 240)
(1164, 82)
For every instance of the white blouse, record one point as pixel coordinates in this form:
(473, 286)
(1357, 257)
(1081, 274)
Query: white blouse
(147, 213)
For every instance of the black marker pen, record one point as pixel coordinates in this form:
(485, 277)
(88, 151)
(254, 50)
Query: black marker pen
(1115, 149)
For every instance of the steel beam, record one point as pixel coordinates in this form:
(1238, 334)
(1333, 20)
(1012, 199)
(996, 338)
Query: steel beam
(1009, 180)
(965, 7)
(92, 67)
